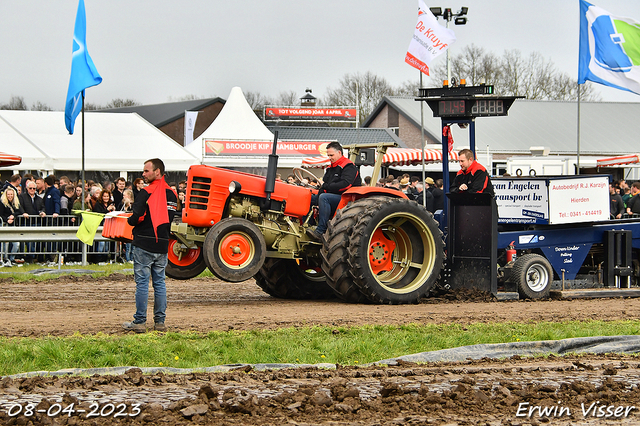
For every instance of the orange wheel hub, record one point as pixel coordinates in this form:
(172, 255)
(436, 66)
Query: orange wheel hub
(236, 249)
(380, 252)
(181, 258)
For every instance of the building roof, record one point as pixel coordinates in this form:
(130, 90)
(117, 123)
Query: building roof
(113, 142)
(606, 128)
(344, 135)
(162, 114)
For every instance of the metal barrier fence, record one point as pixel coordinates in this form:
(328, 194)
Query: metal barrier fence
(53, 239)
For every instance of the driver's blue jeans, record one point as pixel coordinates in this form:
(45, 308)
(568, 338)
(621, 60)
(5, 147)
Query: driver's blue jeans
(327, 205)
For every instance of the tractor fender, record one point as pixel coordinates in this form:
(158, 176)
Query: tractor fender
(358, 192)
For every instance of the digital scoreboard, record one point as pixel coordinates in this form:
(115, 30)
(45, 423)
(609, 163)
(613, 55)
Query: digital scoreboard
(466, 102)
(478, 108)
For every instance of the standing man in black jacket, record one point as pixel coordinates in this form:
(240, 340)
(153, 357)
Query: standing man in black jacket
(153, 211)
(472, 177)
(342, 175)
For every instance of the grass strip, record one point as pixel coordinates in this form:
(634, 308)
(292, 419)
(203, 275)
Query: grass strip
(342, 345)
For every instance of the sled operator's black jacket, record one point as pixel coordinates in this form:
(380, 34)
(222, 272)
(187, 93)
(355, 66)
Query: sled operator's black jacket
(342, 175)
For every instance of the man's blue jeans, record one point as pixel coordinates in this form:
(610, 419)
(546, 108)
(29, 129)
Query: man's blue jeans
(149, 265)
(327, 204)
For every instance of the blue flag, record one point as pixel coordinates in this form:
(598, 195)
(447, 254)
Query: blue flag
(609, 49)
(83, 73)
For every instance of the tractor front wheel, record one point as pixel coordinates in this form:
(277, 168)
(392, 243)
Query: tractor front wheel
(234, 249)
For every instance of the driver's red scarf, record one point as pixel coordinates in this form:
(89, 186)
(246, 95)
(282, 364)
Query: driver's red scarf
(157, 203)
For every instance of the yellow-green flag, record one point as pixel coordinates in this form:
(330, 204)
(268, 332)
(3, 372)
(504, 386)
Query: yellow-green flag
(89, 226)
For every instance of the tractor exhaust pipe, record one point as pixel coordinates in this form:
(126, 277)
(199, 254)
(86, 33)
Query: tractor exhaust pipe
(272, 169)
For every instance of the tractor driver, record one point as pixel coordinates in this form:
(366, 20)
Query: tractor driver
(340, 176)
(472, 177)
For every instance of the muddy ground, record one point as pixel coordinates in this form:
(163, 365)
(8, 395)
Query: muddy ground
(594, 389)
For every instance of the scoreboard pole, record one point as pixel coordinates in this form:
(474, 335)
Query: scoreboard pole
(462, 104)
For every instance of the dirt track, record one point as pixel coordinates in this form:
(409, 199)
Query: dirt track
(473, 392)
(69, 304)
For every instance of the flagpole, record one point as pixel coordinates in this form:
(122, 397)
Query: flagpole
(84, 246)
(424, 197)
(578, 133)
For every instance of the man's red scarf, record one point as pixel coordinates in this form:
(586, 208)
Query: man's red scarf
(341, 162)
(158, 203)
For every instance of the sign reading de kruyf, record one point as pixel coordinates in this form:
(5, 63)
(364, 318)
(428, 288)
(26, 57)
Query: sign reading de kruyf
(309, 114)
(214, 147)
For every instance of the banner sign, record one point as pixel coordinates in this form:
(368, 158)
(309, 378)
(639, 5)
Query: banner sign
(214, 147)
(579, 199)
(429, 41)
(309, 114)
(522, 200)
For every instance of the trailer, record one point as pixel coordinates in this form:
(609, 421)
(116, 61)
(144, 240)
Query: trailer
(556, 232)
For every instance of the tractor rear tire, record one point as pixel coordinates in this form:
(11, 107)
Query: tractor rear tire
(396, 251)
(234, 249)
(288, 279)
(533, 276)
(184, 265)
(334, 252)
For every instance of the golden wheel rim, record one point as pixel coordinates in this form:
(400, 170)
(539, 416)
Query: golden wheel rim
(394, 260)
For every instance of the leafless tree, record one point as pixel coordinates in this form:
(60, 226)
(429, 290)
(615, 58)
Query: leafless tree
(15, 103)
(119, 103)
(288, 98)
(89, 106)
(512, 75)
(257, 102)
(364, 91)
(39, 106)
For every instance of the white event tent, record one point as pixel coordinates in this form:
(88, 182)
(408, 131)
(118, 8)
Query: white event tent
(237, 122)
(114, 142)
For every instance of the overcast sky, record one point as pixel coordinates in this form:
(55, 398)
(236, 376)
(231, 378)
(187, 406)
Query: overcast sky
(155, 51)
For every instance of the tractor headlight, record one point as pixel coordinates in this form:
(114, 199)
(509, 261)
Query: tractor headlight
(234, 187)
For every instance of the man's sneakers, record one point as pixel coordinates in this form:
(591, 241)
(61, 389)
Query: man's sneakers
(142, 328)
(314, 235)
(136, 328)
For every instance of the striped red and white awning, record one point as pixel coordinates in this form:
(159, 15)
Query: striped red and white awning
(9, 159)
(393, 157)
(316, 162)
(618, 161)
(410, 157)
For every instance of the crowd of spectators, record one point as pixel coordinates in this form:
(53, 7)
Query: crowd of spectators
(30, 200)
(412, 186)
(623, 199)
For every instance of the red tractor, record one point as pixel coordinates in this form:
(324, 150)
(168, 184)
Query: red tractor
(379, 247)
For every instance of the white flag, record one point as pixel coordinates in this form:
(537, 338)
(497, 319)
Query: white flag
(609, 49)
(429, 41)
(189, 125)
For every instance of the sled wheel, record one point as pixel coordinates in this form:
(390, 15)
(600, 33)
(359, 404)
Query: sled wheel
(293, 279)
(334, 252)
(396, 252)
(533, 275)
(234, 249)
(183, 262)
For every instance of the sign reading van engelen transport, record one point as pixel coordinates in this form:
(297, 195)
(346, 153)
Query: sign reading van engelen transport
(522, 200)
(216, 147)
(309, 114)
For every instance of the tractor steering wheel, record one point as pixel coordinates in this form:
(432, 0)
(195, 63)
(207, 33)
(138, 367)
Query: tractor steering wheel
(299, 173)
